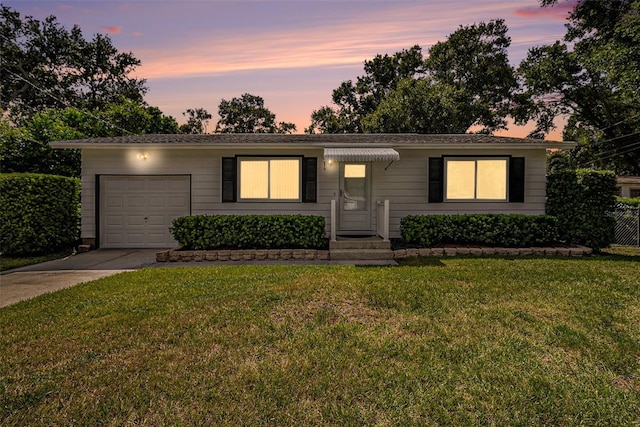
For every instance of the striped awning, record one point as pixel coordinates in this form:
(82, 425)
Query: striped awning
(361, 154)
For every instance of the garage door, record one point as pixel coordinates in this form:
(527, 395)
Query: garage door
(136, 211)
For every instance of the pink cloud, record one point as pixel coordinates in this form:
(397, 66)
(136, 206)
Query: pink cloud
(137, 34)
(112, 30)
(124, 6)
(559, 11)
(65, 6)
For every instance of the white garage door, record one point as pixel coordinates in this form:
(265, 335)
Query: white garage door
(136, 211)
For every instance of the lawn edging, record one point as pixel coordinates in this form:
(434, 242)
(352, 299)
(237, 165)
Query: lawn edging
(177, 255)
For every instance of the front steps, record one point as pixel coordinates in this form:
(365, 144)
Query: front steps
(359, 249)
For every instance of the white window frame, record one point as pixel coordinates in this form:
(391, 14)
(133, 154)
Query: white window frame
(268, 159)
(475, 199)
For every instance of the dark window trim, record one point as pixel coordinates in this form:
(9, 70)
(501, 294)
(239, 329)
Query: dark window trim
(516, 176)
(308, 181)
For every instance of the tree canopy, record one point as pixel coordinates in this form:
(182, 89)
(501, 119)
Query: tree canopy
(593, 79)
(25, 148)
(44, 65)
(198, 119)
(247, 114)
(466, 81)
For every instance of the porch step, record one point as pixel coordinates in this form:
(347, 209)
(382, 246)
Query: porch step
(360, 254)
(359, 243)
(360, 248)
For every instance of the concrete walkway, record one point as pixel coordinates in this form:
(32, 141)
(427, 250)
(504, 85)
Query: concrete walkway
(27, 282)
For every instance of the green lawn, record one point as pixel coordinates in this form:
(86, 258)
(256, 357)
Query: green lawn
(11, 262)
(456, 341)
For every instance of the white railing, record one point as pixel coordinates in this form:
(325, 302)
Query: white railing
(382, 212)
(333, 220)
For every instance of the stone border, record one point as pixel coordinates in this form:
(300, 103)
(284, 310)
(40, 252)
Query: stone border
(175, 255)
(577, 251)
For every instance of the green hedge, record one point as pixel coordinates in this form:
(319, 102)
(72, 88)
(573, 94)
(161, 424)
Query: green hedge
(583, 200)
(38, 213)
(249, 231)
(500, 230)
(629, 201)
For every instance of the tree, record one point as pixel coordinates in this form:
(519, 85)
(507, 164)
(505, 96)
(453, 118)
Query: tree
(593, 79)
(45, 66)
(420, 106)
(356, 101)
(26, 148)
(197, 122)
(248, 114)
(468, 76)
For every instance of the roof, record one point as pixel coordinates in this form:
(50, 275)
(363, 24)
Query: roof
(316, 140)
(629, 180)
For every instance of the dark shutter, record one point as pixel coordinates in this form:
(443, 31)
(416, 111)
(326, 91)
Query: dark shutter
(229, 178)
(436, 179)
(309, 179)
(516, 180)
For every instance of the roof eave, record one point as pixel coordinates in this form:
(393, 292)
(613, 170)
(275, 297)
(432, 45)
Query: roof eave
(553, 145)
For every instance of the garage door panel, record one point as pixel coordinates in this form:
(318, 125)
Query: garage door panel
(113, 220)
(178, 201)
(136, 238)
(114, 238)
(157, 201)
(136, 201)
(160, 220)
(136, 185)
(115, 202)
(137, 211)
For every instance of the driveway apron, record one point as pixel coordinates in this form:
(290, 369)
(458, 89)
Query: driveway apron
(28, 282)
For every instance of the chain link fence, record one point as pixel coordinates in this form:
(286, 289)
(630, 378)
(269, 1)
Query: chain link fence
(627, 225)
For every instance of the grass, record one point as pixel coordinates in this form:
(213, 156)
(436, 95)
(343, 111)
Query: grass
(458, 341)
(11, 262)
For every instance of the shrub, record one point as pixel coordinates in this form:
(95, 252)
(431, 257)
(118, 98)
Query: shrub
(38, 213)
(479, 229)
(629, 201)
(583, 200)
(249, 231)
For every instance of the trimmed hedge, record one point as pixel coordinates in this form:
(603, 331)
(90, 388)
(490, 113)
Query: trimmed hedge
(583, 200)
(38, 213)
(629, 201)
(204, 232)
(500, 230)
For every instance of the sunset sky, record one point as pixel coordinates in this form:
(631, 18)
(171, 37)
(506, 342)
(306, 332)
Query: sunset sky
(291, 53)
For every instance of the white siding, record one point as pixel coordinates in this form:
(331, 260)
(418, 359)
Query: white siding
(404, 182)
(405, 185)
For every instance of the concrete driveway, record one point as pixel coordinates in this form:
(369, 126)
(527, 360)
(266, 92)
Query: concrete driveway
(28, 282)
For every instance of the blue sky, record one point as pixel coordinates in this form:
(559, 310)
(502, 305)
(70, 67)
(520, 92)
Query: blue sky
(292, 53)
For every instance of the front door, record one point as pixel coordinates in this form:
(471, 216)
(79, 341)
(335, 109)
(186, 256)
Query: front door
(355, 198)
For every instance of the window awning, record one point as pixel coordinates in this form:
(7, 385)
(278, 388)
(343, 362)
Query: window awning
(361, 154)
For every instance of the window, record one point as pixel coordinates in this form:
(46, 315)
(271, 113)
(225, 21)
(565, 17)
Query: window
(269, 179)
(476, 179)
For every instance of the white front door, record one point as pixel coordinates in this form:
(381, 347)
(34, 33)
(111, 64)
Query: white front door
(136, 211)
(355, 198)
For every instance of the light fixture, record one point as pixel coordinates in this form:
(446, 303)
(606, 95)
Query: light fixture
(143, 156)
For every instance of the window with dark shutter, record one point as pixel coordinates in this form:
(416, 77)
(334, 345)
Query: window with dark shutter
(229, 179)
(309, 179)
(516, 180)
(436, 179)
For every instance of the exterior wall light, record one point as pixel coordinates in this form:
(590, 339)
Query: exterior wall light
(143, 156)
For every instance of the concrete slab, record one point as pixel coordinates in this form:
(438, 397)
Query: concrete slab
(19, 286)
(27, 282)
